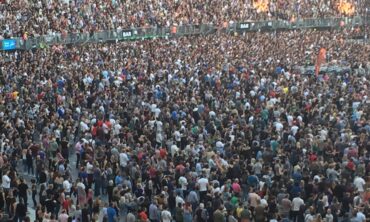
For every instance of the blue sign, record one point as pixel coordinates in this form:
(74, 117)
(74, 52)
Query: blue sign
(8, 44)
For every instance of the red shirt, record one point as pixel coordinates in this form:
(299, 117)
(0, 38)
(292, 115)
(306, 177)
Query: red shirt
(152, 172)
(313, 157)
(162, 153)
(94, 130)
(140, 155)
(100, 123)
(143, 216)
(272, 94)
(351, 165)
(66, 204)
(236, 187)
(109, 125)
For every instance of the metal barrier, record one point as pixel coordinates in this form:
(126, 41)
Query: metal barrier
(186, 30)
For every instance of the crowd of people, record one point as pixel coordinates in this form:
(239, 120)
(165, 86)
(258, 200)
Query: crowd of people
(203, 128)
(24, 18)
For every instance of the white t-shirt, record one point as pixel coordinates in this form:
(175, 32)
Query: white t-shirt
(177, 136)
(6, 182)
(81, 185)
(159, 125)
(123, 159)
(179, 200)
(174, 150)
(166, 216)
(67, 186)
(203, 183)
(294, 130)
(84, 126)
(89, 168)
(297, 203)
(278, 126)
(116, 129)
(359, 183)
(290, 120)
(360, 217)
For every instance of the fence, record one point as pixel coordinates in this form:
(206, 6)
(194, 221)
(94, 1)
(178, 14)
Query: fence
(186, 30)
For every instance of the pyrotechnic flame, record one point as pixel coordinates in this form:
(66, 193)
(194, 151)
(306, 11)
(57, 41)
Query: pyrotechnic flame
(261, 5)
(346, 7)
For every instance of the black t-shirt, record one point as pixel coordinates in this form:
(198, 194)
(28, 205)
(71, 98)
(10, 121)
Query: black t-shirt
(22, 189)
(21, 210)
(50, 205)
(42, 177)
(64, 145)
(85, 215)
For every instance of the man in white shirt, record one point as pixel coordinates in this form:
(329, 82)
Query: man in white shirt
(278, 126)
(123, 159)
(174, 150)
(297, 202)
(177, 135)
(359, 183)
(203, 186)
(166, 215)
(67, 187)
(89, 168)
(184, 185)
(179, 200)
(117, 128)
(6, 182)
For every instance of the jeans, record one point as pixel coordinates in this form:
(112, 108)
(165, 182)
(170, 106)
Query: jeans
(78, 160)
(30, 169)
(18, 218)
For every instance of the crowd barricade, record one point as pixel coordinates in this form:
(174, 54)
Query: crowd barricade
(177, 31)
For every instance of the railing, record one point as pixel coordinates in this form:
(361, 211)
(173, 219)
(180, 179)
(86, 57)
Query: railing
(186, 30)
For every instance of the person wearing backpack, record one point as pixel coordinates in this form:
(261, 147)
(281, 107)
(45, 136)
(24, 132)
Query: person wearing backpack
(201, 214)
(179, 217)
(218, 215)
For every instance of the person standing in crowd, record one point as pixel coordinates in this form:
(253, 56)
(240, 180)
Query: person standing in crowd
(20, 211)
(23, 191)
(111, 213)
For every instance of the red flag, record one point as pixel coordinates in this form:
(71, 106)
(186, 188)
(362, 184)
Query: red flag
(321, 57)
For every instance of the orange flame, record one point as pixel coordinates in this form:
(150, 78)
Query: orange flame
(346, 8)
(261, 5)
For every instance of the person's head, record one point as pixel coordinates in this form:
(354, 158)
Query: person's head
(328, 211)
(201, 205)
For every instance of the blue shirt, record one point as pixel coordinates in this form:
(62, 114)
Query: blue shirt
(153, 212)
(111, 212)
(118, 180)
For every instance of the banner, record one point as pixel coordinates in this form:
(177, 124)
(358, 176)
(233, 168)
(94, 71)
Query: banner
(244, 25)
(321, 57)
(8, 44)
(126, 33)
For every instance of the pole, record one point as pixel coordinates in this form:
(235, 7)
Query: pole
(366, 22)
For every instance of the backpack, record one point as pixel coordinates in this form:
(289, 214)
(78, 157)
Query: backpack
(204, 214)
